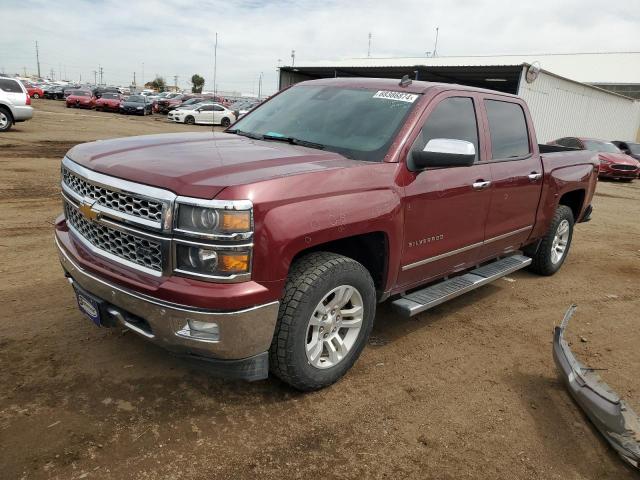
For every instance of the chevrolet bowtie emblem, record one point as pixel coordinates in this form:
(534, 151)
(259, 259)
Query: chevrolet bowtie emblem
(87, 211)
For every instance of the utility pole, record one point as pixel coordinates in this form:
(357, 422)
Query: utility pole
(101, 73)
(52, 74)
(369, 48)
(293, 57)
(142, 79)
(260, 87)
(24, 70)
(215, 71)
(278, 77)
(38, 59)
(435, 46)
(175, 82)
(134, 80)
(95, 78)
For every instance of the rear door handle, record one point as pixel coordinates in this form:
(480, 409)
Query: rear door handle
(481, 184)
(534, 176)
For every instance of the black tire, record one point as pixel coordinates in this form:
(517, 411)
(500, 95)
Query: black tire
(311, 278)
(543, 263)
(6, 113)
(189, 120)
(36, 95)
(225, 122)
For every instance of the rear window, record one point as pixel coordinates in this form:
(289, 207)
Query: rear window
(8, 85)
(508, 128)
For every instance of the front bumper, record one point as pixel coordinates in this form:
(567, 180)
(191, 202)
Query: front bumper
(615, 420)
(613, 173)
(22, 113)
(244, 335)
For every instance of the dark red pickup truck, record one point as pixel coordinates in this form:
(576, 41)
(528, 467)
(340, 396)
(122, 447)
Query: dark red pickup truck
(267, 247)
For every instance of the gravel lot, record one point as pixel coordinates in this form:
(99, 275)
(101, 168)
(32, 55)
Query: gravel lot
(467, 390)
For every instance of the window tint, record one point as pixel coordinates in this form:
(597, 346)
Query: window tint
(509, 134)
(573, 142)
(206, 108)
(453, 118)
(218, 108)
(8, 85)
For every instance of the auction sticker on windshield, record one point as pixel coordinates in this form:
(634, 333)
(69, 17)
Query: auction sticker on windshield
(401, 96)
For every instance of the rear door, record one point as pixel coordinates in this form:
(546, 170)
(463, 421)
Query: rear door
(205, 115)
(218, 113)
(13, 91)
(445, 208)
(516, 169)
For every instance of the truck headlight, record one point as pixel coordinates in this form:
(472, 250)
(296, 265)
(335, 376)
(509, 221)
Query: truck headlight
(209, 221)
(209, 261)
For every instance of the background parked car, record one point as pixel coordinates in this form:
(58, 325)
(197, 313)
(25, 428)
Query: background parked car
(67, 89)
(109, 101)
(34, 91)
(242, 107)
(81, 99)
(205, 114)
(15, 103)
(137, 104)
(630, 148)
(53, 92)
(613, 162)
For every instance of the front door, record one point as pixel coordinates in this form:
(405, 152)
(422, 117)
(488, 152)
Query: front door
(445, 209)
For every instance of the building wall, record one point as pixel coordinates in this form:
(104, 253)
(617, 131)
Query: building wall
(562, 108)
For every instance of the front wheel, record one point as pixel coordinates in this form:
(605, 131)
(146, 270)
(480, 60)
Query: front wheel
(554, 247)
(36, 95)
(189, 120)
(324, 320)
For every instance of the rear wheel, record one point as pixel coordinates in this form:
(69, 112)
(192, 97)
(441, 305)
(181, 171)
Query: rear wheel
(189, 120)
(324, 321)
(36, 95)
(225, 122)
(554, 248)
(6, 119)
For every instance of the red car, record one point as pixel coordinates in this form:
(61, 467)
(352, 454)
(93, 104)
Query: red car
(613, 162)
(34, 92)
(269, 245)
(109, 102)
(81, 99)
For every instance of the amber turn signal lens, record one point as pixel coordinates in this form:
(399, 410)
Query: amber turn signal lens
(233, 263)
(233, 221)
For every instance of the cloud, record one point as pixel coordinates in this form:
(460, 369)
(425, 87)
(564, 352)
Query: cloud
(177, 38)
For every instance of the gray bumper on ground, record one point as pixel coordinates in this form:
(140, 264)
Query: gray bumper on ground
(244, 335)
(609, 413)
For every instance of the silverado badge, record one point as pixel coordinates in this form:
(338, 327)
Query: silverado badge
(87, 211)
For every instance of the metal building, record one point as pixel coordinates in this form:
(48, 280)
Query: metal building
(568, 94)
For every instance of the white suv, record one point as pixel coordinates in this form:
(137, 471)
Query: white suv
(15, 103)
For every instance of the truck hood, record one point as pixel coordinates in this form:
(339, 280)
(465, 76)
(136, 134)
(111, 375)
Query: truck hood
(201, 164)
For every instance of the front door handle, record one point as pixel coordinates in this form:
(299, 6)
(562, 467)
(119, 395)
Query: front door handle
(481, 184)
(534, 176)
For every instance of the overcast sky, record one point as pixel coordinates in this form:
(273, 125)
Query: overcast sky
(177, 37)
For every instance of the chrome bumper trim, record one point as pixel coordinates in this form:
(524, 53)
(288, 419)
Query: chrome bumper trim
(243, 333)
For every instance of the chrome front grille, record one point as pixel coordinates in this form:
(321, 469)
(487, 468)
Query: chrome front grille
(124, 245)
(127, 203)
(623, 167)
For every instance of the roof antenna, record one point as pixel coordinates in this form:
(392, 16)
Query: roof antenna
(405, 82)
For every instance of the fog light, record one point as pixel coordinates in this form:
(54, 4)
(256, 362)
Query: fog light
(208, 331)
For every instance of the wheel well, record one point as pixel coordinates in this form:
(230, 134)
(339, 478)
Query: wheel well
(574, 200)
(370, 249)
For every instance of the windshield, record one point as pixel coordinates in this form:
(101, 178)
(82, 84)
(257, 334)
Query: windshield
(605, 147)
(634, 148)
(110, 95)
(136, 98)
(80, 93)
(357, 123)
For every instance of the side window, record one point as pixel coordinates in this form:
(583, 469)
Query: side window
(572, 142)
(563, 142)
(508, 128)
(8, 85)
(206, 108)
(218, 108)
(453, 118)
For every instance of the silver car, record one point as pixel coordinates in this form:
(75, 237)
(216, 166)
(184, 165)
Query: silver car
(15, 103)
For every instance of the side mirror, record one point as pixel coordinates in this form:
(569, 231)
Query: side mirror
(443, 152)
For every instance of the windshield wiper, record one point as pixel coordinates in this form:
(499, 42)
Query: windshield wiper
(293, 141)
(255, 136)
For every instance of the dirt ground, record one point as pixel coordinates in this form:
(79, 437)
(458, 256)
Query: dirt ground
(467, 390)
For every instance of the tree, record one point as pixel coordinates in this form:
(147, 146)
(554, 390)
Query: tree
(158, 84)
(198, 83)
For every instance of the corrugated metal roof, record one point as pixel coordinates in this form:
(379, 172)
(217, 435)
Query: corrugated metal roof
(606, 67)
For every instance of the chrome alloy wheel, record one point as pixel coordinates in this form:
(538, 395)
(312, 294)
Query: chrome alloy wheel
(4, 120)
(559, 245)
(334, 327)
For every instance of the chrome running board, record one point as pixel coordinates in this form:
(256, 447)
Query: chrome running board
(429, 297)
